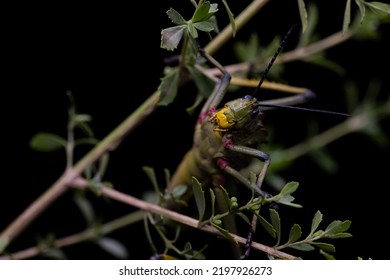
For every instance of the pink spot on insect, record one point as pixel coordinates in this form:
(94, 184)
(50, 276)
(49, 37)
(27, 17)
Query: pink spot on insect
(228, 142)
(223, 164)
(212, 111)
(202, 117)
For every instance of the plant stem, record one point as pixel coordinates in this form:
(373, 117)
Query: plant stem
(152, 208)
(289, 56)
(91, 233)
(350, 125)
(109, 143)
(88, 234)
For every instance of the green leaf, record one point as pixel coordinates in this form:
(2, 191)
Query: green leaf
(245, 218)
(179, 190)
(347, 16)
(86, 128)
(152, 177)
(231, 17)
(368, 28)
(198, 100)
(103, 163)
(275, 221)
(287, 200)
(225, 233)
(362, 9)
(192, 30)
(212, 198)
(204, 12)
(191, 53)
(320, 59)
(284, 196)
(225, 195)
(191, 254)
(204, 26)
(86, 141)
(82, 118)
(302, 14)
(267, 226)
(309, 35)
(325, 246)
(47, 142)
(340, 235)
(199, 197)
(248, 51)
(55, 254)
(81, 121)
(327, 255)
(175, 17)
(302, 247)
(187, 247)
(324, 160)
(337, 227)
(113, 247)
(171, 37)
(376, 134)
(316, 221)
(289, 188)
(381, 10)
(85, 207)
(4, 241)
(295, 233)
(213, 22)
(168, 87)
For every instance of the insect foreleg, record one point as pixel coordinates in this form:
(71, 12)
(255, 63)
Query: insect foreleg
(220, 88)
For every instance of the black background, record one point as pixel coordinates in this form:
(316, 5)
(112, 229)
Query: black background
(108, 55)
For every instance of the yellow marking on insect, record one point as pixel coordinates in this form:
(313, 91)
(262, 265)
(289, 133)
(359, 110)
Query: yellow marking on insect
(223, 122)
(267, 85)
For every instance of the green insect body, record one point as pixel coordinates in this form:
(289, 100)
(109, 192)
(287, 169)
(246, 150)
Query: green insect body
(226, 140)
(218, 135)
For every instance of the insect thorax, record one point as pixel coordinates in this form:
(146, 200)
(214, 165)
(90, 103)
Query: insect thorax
(212, 142)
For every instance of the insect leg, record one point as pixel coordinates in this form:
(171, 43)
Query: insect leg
(221, 85)
(224, 165)
(251, 152)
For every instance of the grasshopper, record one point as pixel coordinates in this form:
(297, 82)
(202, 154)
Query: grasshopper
(226, 139)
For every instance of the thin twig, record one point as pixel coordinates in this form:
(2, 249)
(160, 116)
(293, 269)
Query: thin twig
(88, 234)
(152, 208)
(109, 143)
(289, 56)
(136, 216)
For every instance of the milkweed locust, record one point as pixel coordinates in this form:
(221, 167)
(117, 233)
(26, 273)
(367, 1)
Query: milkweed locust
(226, 140)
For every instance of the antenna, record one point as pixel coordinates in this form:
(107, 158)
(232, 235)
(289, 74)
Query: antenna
(303, 109)
(271, 62)
(267, 69)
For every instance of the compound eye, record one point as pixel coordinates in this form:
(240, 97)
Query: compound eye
(247, 97)
(255, 113)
